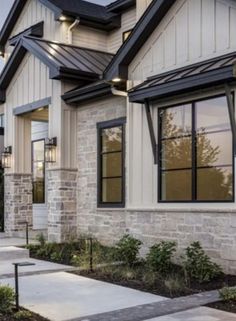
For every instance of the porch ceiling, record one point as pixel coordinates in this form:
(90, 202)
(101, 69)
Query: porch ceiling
(64, 61)
(207, 73)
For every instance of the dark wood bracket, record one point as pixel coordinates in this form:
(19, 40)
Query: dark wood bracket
(230, 103)
(151, 131)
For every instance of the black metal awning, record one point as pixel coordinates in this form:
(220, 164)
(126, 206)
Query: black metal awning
(200, 75)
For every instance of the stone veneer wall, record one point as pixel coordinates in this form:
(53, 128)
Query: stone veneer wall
(214, 228)
(62, 222)
(17, 202)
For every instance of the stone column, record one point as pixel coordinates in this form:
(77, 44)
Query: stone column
(62, 175)
(18, 178)
(62, 216)
(18, 202)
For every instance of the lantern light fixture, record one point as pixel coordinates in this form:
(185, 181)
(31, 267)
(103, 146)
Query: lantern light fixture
(50, 150)
(6, 157)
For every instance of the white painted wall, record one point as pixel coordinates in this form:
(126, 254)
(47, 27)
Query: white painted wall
(192, 31)
(90, 38)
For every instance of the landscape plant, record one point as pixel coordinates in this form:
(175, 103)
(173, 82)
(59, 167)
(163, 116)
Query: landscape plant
(228, 294)
(198, 265)
(7, 297)
(127, 250)
(160, 255)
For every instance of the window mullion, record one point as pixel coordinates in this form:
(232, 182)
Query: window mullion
(194, 154)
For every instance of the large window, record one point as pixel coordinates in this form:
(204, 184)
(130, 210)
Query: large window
(111, 163)
(38, 168)
(196, 152)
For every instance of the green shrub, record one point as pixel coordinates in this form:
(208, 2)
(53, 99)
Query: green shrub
(198, 265)
(228, 294)
(22, 315)
(41, 239)
(159, 256)
(127, 250)
(7, 298)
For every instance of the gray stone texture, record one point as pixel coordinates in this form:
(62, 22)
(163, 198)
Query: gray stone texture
(62, 217)
(214, 228)
(17, 202)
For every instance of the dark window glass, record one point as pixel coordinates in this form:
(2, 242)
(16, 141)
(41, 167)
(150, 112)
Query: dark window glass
(111, 164)
(196, 149)
(38, 168)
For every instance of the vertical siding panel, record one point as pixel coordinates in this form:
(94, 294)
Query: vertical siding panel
(158, 57)
(208, 27)
(170, 46)
(195, 50)
(232, 28)
(222, 26)
(182, 34)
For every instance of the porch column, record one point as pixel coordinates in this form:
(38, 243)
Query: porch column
(18, 178)
(62, 175)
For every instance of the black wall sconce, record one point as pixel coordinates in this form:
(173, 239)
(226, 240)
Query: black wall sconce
(50, 150)
(6, 157)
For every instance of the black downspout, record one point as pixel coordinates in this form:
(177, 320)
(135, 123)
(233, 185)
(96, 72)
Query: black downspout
(151, 131)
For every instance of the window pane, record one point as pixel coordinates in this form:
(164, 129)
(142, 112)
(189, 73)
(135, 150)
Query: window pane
(212, 115)
(176, 185)
(176, 121)
(214, 184)
(38, 192)
(38, 169)
(177, 153)
(112, 139)
(214, 149)
(38, 150)
(112, 190)
(112, 165)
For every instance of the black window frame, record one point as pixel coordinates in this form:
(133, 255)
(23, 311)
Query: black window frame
(44, 172)
(194, 151)
(119, 122)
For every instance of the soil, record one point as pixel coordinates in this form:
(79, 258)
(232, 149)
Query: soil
(228, 306)
(158, 287)
(33, 317)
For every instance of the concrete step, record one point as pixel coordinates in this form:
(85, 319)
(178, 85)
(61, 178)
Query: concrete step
(13, 253)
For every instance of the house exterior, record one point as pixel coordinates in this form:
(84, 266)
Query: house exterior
(137, 99)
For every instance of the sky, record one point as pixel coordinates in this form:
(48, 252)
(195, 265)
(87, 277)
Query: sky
(5, 6)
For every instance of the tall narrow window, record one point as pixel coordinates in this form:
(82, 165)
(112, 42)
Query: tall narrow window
(196, 152)
(38, 168)
(111, 163)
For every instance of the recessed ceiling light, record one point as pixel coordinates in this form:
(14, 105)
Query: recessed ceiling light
(62, 18)
(116, 80)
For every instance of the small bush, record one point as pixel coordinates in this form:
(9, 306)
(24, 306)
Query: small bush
(22, 315)
(198, 265)
(159, 256)
(228, 294)
(7, 298)
(41, 239)
(127, 250)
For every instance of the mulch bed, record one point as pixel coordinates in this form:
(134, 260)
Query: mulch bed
(33, 317)
(228, 306)
(159, 287)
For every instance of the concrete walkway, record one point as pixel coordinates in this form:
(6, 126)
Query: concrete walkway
(12, 241)
(64, 296)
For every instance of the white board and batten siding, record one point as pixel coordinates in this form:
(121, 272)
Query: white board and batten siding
(192, 31)
(90, 38)
(33, 13)
(115, 38)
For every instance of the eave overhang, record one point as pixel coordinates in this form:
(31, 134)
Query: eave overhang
(34, 31)
(121, 5)
(84, 94)
(118, 68)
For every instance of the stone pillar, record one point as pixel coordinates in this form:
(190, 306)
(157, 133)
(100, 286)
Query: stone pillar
(62, 216)
(62, 175)
(18, 202)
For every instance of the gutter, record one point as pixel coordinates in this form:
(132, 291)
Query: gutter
(116, 92)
